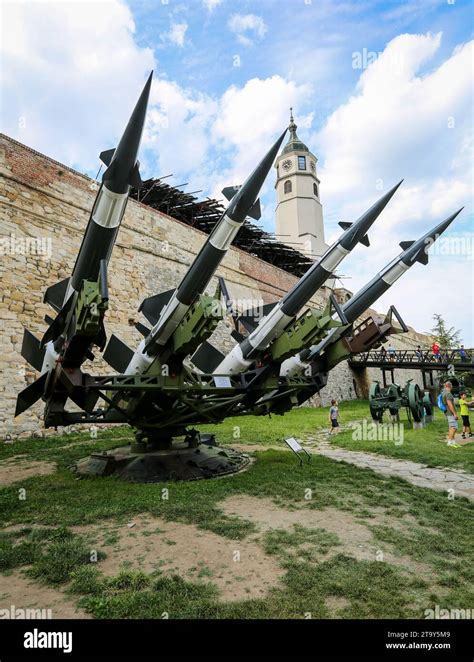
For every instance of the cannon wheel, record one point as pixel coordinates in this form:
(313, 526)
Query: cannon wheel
(427, 403)
(415, 402)
(374, 393)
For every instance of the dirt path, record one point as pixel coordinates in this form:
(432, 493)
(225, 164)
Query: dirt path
(19, 467)
(19, 592)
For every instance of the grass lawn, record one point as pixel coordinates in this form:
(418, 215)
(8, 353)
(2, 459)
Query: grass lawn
(296, 423)
(426, 446)
(421, 540)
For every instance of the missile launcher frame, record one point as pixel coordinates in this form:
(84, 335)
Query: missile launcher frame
(175, 380)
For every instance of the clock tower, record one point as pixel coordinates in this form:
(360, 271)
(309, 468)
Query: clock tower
(299, 213)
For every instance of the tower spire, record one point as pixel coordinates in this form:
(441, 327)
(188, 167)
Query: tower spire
(292, 126)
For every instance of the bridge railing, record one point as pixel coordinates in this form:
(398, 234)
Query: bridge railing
(424, 356)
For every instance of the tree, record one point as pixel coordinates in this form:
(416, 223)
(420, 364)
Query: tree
(447, 338)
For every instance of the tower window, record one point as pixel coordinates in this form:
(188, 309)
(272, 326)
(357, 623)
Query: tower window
(287, 188)
(315, 190)
(301, 162)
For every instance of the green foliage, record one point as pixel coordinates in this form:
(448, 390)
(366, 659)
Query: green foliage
(13, 555)
(307, 544)
(447, 338)
(60, 559)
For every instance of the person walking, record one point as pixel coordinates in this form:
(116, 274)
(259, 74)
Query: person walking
(464, 411)
(419, 353)
(333, 416)
(462, 353)
(450, 413)
(391, 353)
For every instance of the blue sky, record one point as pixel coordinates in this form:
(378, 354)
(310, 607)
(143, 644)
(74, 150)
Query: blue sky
(380, 90)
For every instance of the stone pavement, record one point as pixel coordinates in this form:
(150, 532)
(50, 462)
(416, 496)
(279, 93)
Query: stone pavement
(443, 480)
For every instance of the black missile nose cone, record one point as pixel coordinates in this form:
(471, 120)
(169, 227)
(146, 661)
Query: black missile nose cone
(242, 202)
(122, 171)
(380, 205)
(358, 230)
(441, 227)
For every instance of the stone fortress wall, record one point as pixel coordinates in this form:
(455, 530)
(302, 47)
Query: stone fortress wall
(49, 203)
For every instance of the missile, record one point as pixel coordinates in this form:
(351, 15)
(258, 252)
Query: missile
(412, 252)
(165, 311)
(241, 357)
(121, 174)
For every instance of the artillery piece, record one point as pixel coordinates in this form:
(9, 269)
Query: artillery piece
(175, 379)
(394, 397)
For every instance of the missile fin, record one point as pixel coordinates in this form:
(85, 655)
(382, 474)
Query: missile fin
(365, 240)
(101, 338)
(405, 244)
(229, 191)
(151, 307)
(55, 294)
(344, 225)
(57, 327)
(255, 211)
(117, 354)
(141, 328)
(135, 178)
(422, 257)
(32, 351)
(106, 156)
(207, 357)
(30, 394)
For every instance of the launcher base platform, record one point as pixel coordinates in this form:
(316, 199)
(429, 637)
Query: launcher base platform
(178, 462)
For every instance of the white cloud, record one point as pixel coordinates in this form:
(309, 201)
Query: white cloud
(251, 116)
(75, 76)
(72, 75)
(397, 124)
(210, 5)
(176, 34)
(218, 141)
(247, 27)
(179, 123)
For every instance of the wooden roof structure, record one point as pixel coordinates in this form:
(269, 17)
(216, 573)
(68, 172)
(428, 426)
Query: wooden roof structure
(204, 214)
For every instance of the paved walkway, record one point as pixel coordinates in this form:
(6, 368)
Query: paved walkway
(439, 479)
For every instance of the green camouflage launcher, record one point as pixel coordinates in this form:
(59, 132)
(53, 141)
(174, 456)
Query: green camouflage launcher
(175, 379)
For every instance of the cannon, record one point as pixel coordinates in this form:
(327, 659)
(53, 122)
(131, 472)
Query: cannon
(393, 397)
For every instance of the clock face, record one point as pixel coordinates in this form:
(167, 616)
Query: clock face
(313, 166)
(286, 165)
